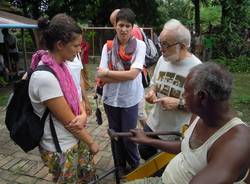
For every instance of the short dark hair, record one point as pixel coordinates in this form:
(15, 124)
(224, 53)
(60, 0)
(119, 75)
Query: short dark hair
(127, 15)
(61, 28)
(213, 78)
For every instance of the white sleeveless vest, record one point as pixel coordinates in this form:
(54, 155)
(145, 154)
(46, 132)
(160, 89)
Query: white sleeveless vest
(189, 161)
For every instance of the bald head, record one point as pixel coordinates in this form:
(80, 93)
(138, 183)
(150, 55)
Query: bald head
(113, 16)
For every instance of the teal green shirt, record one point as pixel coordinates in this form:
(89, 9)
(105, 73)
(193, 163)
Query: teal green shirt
(207, 41)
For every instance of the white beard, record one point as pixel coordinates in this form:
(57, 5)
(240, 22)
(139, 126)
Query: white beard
(174, 57)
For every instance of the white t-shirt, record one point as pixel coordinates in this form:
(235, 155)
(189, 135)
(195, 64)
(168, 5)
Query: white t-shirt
(44, 86)
(169, 80)
(75, 68)
(128, 93)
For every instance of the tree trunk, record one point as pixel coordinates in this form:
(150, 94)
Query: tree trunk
(224, 13)
(197, 16)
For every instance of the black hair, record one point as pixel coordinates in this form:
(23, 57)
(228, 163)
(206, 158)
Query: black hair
(126, 14)
(61, 28)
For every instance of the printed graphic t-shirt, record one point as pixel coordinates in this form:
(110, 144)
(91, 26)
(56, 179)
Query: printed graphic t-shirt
(169, 80)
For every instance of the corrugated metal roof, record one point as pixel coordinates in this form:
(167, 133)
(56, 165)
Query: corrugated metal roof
(10, 20)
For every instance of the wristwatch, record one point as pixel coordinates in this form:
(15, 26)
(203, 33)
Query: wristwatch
(181, 105)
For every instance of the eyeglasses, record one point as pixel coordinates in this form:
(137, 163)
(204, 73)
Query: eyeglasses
(165, 45)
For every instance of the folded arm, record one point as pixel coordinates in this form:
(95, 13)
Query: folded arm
(61, 110)
(117, 76)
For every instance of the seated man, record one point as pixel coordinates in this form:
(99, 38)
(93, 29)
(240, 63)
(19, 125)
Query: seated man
(216, 146)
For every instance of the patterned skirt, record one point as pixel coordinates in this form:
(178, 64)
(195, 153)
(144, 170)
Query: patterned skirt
(73, 166)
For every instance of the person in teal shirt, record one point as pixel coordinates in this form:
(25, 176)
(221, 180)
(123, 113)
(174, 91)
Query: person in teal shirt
(207, 42)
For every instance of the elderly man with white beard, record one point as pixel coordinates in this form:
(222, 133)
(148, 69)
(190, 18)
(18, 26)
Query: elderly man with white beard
(167, 84)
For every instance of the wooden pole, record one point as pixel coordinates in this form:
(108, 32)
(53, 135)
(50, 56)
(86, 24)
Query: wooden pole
(24, 50)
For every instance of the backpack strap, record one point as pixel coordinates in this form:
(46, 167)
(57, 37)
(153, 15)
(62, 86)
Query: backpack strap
(45, 114)
(44, 68)
(109, 52)
(109, 44)
(53, 133)
(145, 39)
(52, 129)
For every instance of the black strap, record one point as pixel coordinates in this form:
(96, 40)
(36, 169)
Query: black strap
(52, 127)
(53, 133)
(45, 114)
(44, 68)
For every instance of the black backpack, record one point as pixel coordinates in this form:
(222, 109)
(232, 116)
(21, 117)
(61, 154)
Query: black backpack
(25, 127)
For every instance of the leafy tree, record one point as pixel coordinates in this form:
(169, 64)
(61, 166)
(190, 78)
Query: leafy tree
(235, 15)
(210, 15)
(233, 23)
(96, 11)
(197, 16)
(179, 9)
(30, 8)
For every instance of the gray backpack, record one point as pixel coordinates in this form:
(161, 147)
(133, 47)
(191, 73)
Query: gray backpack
(152, 54)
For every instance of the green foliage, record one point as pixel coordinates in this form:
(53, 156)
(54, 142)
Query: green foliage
(30, 47)
(228, 23)
(4, 96)
(30, 8)
(3, 100)
(210, 15)
(79, 10)
(237, 65)
(248, 15)
(243, 99)
(233, 23)
(90, 35)
(95, 11)
(229, 17)
(229, 44)
(240, 97)
(182, 10)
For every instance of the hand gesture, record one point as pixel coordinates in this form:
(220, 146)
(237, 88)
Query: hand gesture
(151, 96)
(94, 148)
(139, 136)
(168, 103)
(78, 123)
(88, 109)
(102, 72)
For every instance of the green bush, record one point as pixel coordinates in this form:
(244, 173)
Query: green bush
(236, 65)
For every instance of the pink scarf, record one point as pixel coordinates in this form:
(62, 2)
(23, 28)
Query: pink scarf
(63, 76)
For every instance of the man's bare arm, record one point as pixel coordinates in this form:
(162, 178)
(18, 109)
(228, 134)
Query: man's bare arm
(228, 158)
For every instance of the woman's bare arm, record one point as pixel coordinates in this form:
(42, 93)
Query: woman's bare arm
(61, 110)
